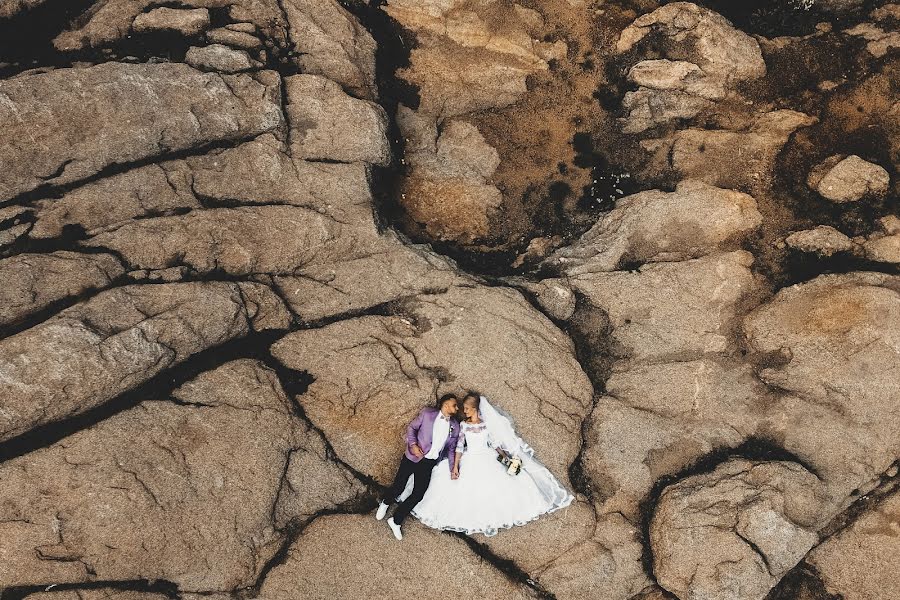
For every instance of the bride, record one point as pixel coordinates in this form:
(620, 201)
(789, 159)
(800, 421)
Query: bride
(480, 496)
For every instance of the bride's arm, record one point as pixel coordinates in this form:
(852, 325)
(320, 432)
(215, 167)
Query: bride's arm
(460, 448)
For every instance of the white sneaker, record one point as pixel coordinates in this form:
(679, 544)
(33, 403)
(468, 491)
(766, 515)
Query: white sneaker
(382, 510)
(395, 528)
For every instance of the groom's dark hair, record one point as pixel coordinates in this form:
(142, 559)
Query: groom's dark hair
(444, 398)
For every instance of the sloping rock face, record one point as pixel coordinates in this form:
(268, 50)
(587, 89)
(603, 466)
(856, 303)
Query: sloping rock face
(243, 243)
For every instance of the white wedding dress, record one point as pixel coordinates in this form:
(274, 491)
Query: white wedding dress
(485, 498)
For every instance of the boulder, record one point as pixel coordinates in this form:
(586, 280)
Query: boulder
(236, 39)
(338, 556)
(332, 43)
(734, 532)
(654, 226)
(673, 311)
(830, 345)
(373, 374)
(850, 180)
(174, 490)
(217, 57)
(822, 240)
(858, 563)
(187, 22)
(327, 124)
(79, 124)
(90, 353)
(33, 282)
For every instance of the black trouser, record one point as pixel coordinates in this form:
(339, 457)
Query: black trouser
(421, 471)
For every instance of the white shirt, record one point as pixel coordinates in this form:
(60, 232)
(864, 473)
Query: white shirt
(439, 434)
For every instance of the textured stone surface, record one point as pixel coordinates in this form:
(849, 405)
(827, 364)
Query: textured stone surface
(373, 374)
(853, 179)
(673, 311)
(337, 556)
(654, 226)
(79, 121)
(860, 562)
(822, 240)
(217, 57)
(90, 353)
(832, 347)
(161, 491)
(734, 532)
(185, 22)
(32, 282)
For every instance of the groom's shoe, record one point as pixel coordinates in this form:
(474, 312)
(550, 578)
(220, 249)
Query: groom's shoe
(382, 510)
(395, 528)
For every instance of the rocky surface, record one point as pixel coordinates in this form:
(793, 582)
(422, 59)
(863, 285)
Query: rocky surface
(242, 243)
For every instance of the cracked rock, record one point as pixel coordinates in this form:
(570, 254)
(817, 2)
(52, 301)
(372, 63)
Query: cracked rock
(373, 374)
(32, 282)
(72, 123)
(327, 124)
(90, 353)
(332, 43)
(341, 556)
(733, 533)
(654, 226)
(217, 57)
(186, 22)
(859, 563)
(673, 311)
(831, 347)
(179, 492)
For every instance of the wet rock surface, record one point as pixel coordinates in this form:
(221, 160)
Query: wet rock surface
(243, 243)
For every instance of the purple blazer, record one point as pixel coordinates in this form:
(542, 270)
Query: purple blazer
(419, 432)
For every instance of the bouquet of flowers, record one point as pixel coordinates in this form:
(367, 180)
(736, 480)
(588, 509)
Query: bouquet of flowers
(513, 464)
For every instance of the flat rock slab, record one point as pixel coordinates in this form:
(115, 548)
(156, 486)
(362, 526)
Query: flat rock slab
(373, 374)
(69, 124)
(831, 344)
(88, 354)
(32, 282)
(733, 533)
(346, 556)
(179, 492)
(860, 562)
(186, 22)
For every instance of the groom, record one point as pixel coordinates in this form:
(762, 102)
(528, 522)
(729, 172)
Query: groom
(431, 437)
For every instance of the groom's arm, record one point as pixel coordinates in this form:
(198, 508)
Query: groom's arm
(412, 436)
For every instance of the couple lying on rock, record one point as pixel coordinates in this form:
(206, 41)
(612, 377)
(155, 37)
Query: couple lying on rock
(469, 472)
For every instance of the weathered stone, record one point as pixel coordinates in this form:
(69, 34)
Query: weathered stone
(313, 481)
(110, 593)
(77, 122)
(217, 57)
(692, 151)
(327, 124)
(555, 296)
(823, 240)
(182, 493)
(657, 420)
(831, 344)
(90, 353)
(186, 22)
(606, 566)
(388, 271)
(373, 374)
(655, 226)
(236, 39)
(859, 563)
(673, 311)
(11, 8)
(733, 533)
(339, 556)
(853, 179)
(701, 36)
(332, 43)
(32, 282)
(880, 42)
(110, 22)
